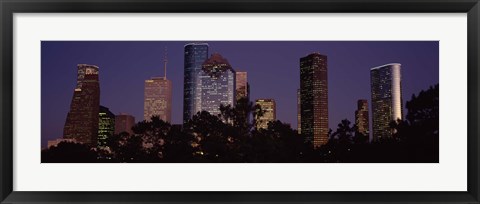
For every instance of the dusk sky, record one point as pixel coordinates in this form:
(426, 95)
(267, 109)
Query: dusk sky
(273, 72)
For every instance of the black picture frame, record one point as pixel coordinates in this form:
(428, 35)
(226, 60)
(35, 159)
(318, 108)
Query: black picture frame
(9, 7)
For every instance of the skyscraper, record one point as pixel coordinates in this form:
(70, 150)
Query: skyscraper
(106, 125)
(299, 111)
(194, 56)
(269, 114)
(361, 117)
(314, 99)
(242, 86)
(124, 123)
(242, 89)
(158, 97)
(218, 84)
(386, 98)
(82, 119)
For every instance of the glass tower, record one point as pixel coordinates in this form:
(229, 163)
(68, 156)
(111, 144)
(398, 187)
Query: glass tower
(314, 99)
(386, 98)
(217, 80)
(194, 56)
(82, 118)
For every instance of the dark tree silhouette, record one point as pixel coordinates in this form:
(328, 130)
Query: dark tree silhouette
(344, 133)
(231, 137)
(178, 146)
(69, 152)
(419, 133)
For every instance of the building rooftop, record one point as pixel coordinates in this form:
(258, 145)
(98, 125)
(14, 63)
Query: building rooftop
(386, 65)
(315, 53)
(87, 65)
(216, 58)
(265, 100)
(188, 44)
(221, 62)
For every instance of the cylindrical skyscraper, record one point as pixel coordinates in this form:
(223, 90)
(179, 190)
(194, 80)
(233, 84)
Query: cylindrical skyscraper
(386, 98)
(194, 56)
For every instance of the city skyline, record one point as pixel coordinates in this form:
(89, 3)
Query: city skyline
(258, 89)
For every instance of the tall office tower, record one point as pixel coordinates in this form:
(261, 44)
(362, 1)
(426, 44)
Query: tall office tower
(124, 123)
(242, 86)
(314, 99)
(361, 117)
(386, 98)
(242, 90)
(106, 125)
(218, 84)
(82, 119)
(299, 115)
(158, 97)
(194, 56)
(269, 114)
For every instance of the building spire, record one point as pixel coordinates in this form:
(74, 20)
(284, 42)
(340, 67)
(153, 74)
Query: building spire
(165, 63)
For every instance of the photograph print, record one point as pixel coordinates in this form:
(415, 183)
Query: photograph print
(240, 102)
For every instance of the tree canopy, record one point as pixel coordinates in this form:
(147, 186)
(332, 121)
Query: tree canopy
(232, 137)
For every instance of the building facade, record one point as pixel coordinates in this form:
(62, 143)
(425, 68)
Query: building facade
(124, 123)
(106, 125)
(195, 55)
(361, 117)
(314, 99)
(269, 108)
(242, 87)
(386, 91)
(158, 99)
(299, 113)
(218, 84)
(82, 118)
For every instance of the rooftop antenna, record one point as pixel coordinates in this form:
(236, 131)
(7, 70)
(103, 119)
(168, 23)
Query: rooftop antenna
(165, 63)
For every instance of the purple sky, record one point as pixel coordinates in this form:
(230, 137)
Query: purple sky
(272, 66)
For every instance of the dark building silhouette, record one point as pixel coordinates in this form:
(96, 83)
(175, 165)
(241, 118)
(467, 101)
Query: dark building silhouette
(194, 56)
(82, 119)
(361, 117)
(299, 111)
(106, 125)
(386, 98)
(314, 99)
(124, 123)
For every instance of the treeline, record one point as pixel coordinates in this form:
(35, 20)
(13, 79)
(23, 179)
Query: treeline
(230, 138)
